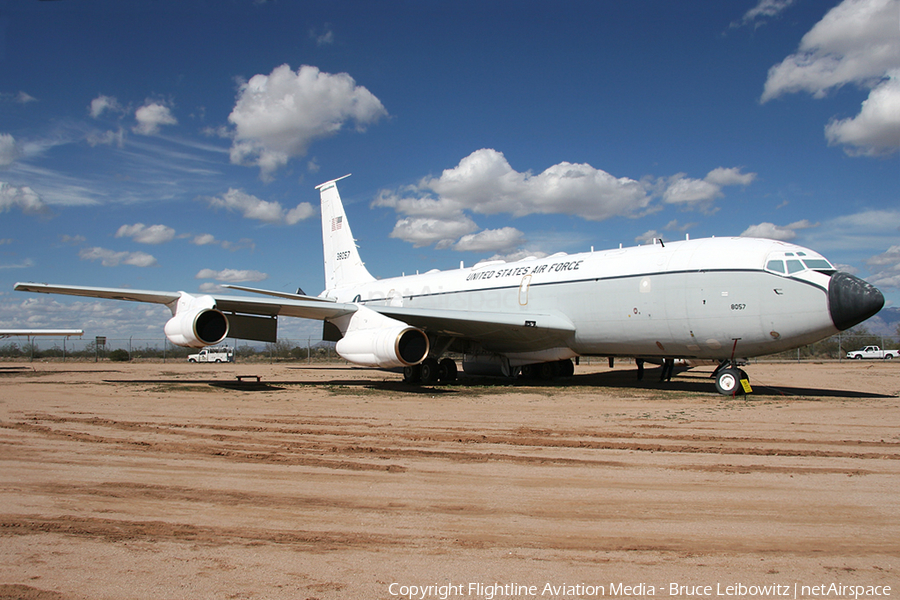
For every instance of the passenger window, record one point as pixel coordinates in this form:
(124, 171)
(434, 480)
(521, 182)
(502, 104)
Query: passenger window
(775, 265)
(794, 266)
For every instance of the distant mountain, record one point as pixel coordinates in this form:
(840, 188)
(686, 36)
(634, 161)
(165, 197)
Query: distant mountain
(885, 322)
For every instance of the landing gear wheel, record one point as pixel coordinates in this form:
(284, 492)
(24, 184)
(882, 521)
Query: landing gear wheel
(566, 367)
(431, 371)
(412, 374)
(546, 371)
(728, 382)
(447, 369)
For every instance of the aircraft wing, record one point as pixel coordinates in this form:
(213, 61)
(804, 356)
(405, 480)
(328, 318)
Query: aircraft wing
(5, 333)
(496, 331)
(302, 308)
(499, 332)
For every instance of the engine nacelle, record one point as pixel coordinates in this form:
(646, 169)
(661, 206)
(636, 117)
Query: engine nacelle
(374, 340)
(197, 323)
(400, 346)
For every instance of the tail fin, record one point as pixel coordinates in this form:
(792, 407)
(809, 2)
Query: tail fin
(343, 267)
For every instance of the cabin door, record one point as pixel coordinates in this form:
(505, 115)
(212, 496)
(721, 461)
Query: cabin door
(523, 290)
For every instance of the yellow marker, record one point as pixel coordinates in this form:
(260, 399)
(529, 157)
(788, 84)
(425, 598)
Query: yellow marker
(745, 383)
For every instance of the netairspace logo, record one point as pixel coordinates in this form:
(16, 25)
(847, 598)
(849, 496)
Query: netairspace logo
(498, 591)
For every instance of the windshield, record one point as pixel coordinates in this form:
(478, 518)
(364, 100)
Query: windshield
(790, 263)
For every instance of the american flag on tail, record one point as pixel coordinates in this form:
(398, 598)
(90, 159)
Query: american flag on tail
(336, 223)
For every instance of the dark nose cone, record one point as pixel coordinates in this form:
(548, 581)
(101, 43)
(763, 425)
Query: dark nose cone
(852, 300)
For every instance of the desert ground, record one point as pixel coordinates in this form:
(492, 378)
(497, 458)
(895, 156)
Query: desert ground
(163, 481)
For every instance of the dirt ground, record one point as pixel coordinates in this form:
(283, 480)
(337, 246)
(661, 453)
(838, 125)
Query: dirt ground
(162, 481)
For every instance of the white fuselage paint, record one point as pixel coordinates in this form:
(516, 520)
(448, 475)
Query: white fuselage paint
(709, 298)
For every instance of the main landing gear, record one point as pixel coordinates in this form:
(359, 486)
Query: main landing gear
(728, 379)
(431, 371)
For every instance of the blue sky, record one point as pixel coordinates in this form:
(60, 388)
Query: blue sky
(175, 145)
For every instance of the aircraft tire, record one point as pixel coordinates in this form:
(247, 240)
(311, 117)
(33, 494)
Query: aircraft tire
(566, 368)
(448, 370)
(431, 370)
(412, 374)
(728, 382)
(546, 371)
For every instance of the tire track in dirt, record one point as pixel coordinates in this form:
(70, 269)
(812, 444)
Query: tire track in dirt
(332, 443)
(124, 530)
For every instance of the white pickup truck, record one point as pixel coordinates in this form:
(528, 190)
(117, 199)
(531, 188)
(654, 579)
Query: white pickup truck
(873, 352)
(217, 355)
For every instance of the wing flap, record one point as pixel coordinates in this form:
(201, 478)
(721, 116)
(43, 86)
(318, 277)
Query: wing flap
(498, 332)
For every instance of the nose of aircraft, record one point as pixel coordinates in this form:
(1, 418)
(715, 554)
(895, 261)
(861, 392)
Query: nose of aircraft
(852, 300)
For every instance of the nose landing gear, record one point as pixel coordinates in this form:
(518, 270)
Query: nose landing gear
(728, 379)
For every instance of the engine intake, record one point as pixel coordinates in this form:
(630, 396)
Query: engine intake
(196, 323)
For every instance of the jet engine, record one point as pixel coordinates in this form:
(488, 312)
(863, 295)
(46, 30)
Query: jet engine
(374, 340)
(196, 322)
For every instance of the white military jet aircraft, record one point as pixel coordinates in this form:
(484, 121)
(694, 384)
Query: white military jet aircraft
(720, 299)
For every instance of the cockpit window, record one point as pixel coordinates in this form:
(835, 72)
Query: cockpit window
(817, 263)
(790, 263)
(794, 266)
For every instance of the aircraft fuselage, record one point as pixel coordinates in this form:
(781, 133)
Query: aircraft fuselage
(713, 298)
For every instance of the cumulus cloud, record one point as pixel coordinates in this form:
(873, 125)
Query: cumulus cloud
(856, 42)
(278, 116)
(701, 193)
(876, 129)
(324, 37)
(231, 275)
(154, 234)
(886, 268)
(208, 239)
(484, 182)
(9, 151)
(151, 117)
(102, 104)
(23, 198)
(771, 231)
(763, 10)
(122, 319)
(436, 209)
(423, 231)
(111, 258)
(204, 239)
(262, 210)
(505, 238)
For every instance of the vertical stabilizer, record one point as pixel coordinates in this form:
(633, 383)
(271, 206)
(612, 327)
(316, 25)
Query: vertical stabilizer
(343, 267)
